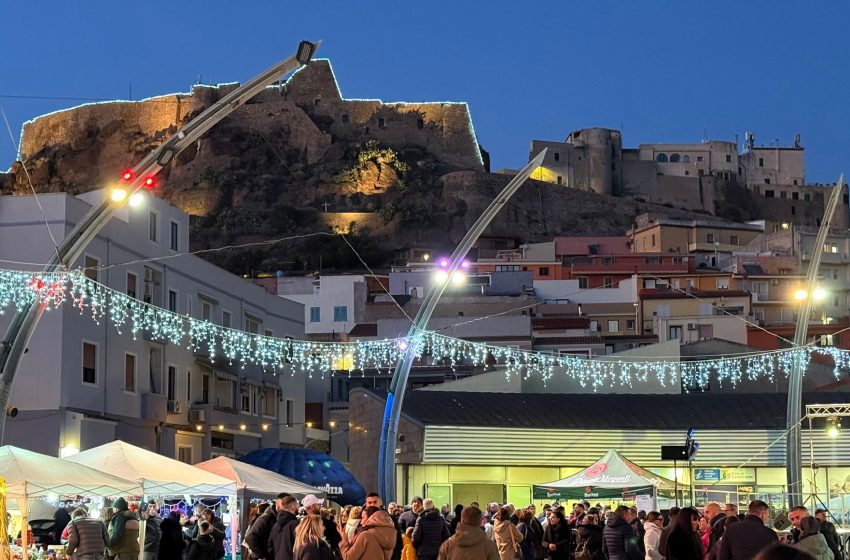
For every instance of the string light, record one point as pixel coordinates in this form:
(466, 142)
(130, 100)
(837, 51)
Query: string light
(126, 313)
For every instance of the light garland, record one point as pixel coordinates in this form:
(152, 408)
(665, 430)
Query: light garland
(20, 288)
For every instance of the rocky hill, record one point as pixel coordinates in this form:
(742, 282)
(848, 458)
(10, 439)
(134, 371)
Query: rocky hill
(301, 158)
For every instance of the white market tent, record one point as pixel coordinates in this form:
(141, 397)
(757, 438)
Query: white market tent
(32, 475)
(256, 482)
(158, 475)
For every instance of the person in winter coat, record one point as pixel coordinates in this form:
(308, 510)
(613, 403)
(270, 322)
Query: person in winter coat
(429, 532)
(827, 529)
(469, 542)
(456, 519)
(152, 531)
(409, 516)
(61, 518)
(652, 533)
(375, 541)
(257, 535)
(123, 532)
(557, 537)
(812, 541)
(526, 545)
(282, 536)
(171, 543)
(203, 546)
(745, 539)
(684, 541)
(216, 531)
(408, 551)
(507, 535)
(618, 539)
(86, 537)
(309, 539)
(353, 521)
(589, 538)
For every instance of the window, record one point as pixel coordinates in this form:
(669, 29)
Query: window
(507, 268)
(661, 158)
(171, 383)
(225, 319)
(608, 282)
(544, 271)
(594, 326)
(582, 283)
(345, 118)
(132, 284)
(560, 180)
(89, 363)
(460, 314)
(674, 158)
(315, 314)
(382, 123)
(613, 326)
(557, 156)
(830, 247)
(269, 401)
(152, 229)
(91, 266)
(188, 386)
(652, 260)
(205, 389)
(172, 301)
(130, 373)
(709, 238)
(340, 313)
(699, 158)
(184, 454)
(420, 124)
(649, 283)
(630, 324)
(675, 332)
(317, 101)
(268, 332)
(835, 302)
(290, 413)
(175, 236)
(795, 182)
(653, 240)
(608, 260)
(686, 159)
(761, 162)
(768, 194)
(767, 182)
(252, 324)
(680, 260)
(733, 240)
(807, 197)
(795, 195)
(728, 158)
(206, 311)
(722, 283)
(246, 397)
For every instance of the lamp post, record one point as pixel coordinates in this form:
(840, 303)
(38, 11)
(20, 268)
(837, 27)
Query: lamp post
(398, 385)
(793, 443)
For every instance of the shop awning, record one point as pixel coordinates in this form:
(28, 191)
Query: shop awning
(312, 468)
(612, 476)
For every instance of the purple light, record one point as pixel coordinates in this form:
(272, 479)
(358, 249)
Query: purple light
(402, 345)
(444, 263)
(465, 264)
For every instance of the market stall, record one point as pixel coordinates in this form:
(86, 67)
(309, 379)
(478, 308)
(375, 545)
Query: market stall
(611, 477)
(255, 483)
(32, 475)
(159, 476)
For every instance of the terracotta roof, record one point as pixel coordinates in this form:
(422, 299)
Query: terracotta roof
(628, 411)
(559, 323)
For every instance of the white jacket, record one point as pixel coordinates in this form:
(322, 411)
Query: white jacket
(650, 540)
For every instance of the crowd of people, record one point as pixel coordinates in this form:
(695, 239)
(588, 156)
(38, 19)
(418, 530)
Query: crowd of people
(291, 530)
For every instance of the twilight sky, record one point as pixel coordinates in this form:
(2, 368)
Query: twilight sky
(662, 71)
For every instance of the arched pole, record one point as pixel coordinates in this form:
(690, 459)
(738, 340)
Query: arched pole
(395, 396)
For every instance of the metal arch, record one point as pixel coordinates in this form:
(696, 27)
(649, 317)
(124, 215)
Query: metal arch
(395, 396)
(13, 345)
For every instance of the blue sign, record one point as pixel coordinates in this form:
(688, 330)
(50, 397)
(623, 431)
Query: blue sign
(707, 475)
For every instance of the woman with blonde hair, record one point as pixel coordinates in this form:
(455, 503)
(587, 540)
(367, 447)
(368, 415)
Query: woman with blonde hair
(353, 521)
(309, 544)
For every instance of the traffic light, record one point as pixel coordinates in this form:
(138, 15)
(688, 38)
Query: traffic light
(128, 175)
(149, 183)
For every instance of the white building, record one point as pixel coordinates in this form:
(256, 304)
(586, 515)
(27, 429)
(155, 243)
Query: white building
(332, 304)
(82, 384)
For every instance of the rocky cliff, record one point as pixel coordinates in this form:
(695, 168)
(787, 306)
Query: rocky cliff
(301, 158)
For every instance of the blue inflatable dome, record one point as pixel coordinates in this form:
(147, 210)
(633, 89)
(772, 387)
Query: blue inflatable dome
(313, 468)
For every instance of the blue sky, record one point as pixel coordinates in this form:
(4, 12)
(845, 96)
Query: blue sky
(661, 71)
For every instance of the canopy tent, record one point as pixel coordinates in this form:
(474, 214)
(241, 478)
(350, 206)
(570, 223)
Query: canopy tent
(312, 468)
(32, 475)
(158, 475)
(255, 481)
(612, 476)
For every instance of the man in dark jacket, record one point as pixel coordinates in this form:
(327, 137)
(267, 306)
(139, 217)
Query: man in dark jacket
(408, 518)
(86, 537)
(618, 538)
(152, 531)
(665, 532)
(429, 532)
(829, 533)
(744, 540)
(257, 537)
(282, 536)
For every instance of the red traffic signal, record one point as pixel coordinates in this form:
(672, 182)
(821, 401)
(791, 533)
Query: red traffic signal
(128, 175)
(149, 183)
